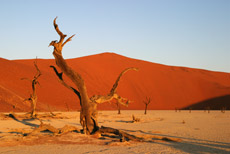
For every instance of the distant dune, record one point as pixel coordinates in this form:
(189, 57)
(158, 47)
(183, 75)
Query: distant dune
(169, 87)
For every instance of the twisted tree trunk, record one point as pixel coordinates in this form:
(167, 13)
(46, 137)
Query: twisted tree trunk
(33, 97)
(88, 112)
(147, 102)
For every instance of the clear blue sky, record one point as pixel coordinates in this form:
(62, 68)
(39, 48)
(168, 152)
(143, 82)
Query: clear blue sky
(191, 33)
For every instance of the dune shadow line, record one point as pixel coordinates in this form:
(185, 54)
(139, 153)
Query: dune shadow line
(216, 103)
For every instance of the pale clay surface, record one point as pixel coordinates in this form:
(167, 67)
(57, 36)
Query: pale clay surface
(198, 132)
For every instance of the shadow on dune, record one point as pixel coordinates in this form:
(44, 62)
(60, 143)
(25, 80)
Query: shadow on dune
(216, 103)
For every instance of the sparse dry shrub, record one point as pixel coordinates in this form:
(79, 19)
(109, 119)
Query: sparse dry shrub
(183, 122)
(135, 119)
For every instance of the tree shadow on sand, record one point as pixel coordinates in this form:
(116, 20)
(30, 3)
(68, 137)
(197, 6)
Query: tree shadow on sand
(190, 145)
(125, 121)
(199, 147)
(24, 121)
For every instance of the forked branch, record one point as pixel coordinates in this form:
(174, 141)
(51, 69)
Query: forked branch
(38, 71)
(113, 94)
(147, 102)
(69, 39)
(33, 96)
(62, 36)
(59, 45)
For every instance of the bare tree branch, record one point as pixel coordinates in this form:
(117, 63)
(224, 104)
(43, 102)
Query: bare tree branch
(64, 83)
(113, 90)
(69, 39)
(62, 36)
(113, 95)
(38, 71)
(123, 136)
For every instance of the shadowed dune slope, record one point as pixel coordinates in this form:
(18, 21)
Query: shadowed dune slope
(169, 87)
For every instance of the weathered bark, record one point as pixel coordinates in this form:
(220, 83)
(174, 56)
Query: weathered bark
(123, 136)
(50, 128)
(33, 97)
(113, 92)
(147, 102)
(87, 117)
(64, 83)
(88, 113)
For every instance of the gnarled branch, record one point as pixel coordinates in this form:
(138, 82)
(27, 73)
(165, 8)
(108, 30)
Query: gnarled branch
(59, 45)
(38, 71)
(59, 75)
(113, 94)
(62, 36)
(123, 135)
(113, 90)
(33, 96)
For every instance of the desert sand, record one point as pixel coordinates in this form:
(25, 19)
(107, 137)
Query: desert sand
(163, 132)
(169, 87)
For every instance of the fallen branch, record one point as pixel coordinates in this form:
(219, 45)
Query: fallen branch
(68, 128)
(44, 127)
(123, 136)
(52, 129)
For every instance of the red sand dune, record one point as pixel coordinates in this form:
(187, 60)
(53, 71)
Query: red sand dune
(169, 87)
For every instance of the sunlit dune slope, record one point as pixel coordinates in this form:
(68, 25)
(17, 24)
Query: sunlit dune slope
(168, 87)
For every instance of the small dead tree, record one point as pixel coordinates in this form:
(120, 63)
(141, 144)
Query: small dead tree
(88, 112)
(207, 108)
(118, 108)
(190, 109)
(223, 109)
(135, 119)
(33, 97)
(147, 102)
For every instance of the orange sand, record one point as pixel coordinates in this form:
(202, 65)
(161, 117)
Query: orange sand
(169, 87)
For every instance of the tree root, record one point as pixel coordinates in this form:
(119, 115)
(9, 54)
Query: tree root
(103, 130)
(44, 127)
(47, 127)
(123, 136)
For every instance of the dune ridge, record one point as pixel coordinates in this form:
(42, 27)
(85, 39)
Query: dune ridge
(169, 87)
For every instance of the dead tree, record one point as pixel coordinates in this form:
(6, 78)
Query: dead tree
(223, 109)
(88, 112)
(118, 108)
(33, 97)
(147, 102)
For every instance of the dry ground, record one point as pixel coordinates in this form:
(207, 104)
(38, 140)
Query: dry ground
(195, 132)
